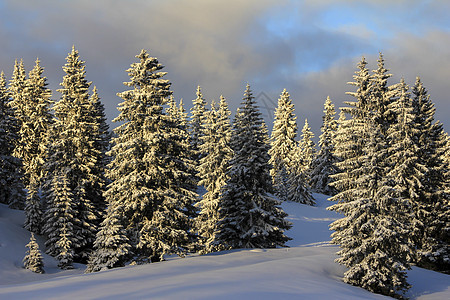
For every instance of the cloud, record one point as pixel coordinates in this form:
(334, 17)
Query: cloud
(308, 47)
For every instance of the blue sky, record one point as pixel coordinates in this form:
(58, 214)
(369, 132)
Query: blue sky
(309, 47)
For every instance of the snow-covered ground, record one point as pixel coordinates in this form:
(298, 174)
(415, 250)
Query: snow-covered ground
(304, 271)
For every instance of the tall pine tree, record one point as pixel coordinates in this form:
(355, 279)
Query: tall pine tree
(249, 216)
(282, 144)
(308, 150)
(149, 177)
(197, 119)
(216, 134)
(323, 166)
(61, 218)
(298, 180)
(73, 152)
(374, 233)
(373, 241)
(19, 105)
(111, 246)
(34, 138)
(11, 185)
(431, 207)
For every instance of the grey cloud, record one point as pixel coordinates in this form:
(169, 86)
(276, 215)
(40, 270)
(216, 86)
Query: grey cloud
(219, 45)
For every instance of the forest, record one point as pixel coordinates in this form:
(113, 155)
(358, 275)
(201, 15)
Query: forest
(166, 182)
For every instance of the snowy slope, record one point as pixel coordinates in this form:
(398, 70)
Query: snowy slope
(304, 271)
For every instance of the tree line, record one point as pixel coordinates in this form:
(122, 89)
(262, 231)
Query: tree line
(107, 199)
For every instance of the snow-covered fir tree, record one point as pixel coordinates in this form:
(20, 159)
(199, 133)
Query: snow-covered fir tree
(382, 95)
(249, 216)
(149, 177)
(298, 181)
(111, 246)
(349, 140)
(373, 241)
(216, 134)
(74, 137)
(19, 103)
(61, 218)
(183, 153)
(432, 207)
(34, 138)
(11, 185)
(374, 234)
(299, 173)
(101, 137)
(283, 143)
(33, 259)
(308, 150)
(324, 164)
(195, 125)
(65, 248)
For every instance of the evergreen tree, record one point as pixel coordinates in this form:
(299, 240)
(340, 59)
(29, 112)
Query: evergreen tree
(73, 152)
(111, 246)
(298, 187)
(308, 150)
(33, 260)
(183, 152)
(432, 207)
(372, 239)
(299, 178)
(101, 137)
(216, 134)
(323, 165)
(381, 95)
(149, 175)
(282, 144)
(11, 186)
(374, 234)
(249, 216)
(197, 119)
(19, 103)
(34, 138)
(64, 246)
(349, 140)
(60, 222)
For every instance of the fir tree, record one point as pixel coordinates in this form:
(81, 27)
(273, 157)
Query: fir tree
(74, 137)
(349, 140)
(373, 241)
(34, 138)
(249, 216)
(323, 165)
(149, 175)
(432, 207)
(33, 260)
(374, 234)
(308, 150)
(282, 144)
(197, 119)
(19, 103)
(11, 186)
(111, 246)
(183, 153)
(216, 134)
(60, 222)
(102, 138)
(381, 95)
(299, 178)
(64, 246)
(298, 187)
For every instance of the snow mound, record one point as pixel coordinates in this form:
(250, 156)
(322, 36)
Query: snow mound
(306, 270)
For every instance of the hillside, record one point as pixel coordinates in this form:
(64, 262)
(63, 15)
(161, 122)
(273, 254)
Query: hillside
(304, 271)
